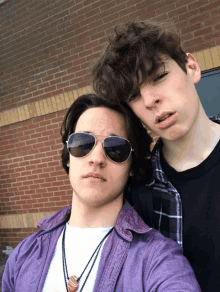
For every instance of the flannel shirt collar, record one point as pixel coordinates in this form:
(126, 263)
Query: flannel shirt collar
(158, 173)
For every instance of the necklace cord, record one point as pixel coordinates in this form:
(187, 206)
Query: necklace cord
(64, 260)
(90, 268)
(66, 276)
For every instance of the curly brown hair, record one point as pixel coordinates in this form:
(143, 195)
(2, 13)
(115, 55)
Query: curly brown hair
(122, 69)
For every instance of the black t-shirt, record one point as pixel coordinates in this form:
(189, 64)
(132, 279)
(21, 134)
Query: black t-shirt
(199, 189)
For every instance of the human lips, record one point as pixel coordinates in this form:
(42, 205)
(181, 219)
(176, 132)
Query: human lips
(160, 118)
(166, 119)
(95, 175)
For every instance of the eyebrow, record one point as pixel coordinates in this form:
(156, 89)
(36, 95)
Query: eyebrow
(111, 134)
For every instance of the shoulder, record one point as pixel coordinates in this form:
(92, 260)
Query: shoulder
(46, 226)
(155, 242)
(164, 266)
(17, 259)
(157, 251)
(158, 243)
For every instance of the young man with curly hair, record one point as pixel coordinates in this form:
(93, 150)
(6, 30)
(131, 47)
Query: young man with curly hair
(145, 67)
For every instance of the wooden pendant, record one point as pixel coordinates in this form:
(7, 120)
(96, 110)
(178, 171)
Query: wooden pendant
(73, 284)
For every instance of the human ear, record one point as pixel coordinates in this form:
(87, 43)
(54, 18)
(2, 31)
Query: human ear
(193, 68)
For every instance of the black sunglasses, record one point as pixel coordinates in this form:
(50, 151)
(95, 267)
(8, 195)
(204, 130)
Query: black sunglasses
(118, 149)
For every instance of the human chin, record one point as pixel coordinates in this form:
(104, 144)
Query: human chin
(87, 196)
(174, 133)
(97, 198)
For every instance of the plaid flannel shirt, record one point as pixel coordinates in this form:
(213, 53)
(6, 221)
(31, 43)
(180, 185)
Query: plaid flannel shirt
(167, 205)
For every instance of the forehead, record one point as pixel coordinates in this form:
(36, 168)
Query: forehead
(102, 121)
(150, 68)
(161, 63)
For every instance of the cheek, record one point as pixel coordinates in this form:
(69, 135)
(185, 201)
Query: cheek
(179, 87)
(74, 168)
(120, 173)
(185, 98)
(142, 113)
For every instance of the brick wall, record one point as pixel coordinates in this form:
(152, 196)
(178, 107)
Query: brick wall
(47, 46)
(11, 237)
(47, 49)
(31, 169)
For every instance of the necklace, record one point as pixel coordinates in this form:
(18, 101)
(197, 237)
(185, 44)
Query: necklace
(73, 281)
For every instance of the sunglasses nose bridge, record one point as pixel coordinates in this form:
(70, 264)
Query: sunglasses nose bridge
(97, 152)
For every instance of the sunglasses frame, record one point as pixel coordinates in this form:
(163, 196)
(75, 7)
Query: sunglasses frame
(102, 145)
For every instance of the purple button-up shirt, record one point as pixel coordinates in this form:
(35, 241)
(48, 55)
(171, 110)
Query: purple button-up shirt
(134, 258)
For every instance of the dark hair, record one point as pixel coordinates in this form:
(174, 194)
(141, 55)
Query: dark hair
(137, 134)
(122, 69)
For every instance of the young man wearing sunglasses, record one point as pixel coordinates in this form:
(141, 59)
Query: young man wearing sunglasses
(145, 67)
(99, 243)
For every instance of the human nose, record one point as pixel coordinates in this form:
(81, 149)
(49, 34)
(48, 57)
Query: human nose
(150, 97)
(97, 155)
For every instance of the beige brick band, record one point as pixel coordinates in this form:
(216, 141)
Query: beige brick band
(207, 59)
(42, 107)
(28, 220)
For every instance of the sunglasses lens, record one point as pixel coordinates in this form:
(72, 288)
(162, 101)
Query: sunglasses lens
(117, 148)
(80, 144)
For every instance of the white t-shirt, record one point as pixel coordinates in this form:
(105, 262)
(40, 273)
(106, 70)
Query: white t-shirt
(80, 243)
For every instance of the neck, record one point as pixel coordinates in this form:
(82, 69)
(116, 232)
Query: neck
(87, 216)
(194, 147)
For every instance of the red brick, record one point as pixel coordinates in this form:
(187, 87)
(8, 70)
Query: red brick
(194, 41)
(38, 92)
(66, 66)
(211, 21)
(61, 85)
(217, 27)
(210, 6)
(43, 85)
(70, 88)
(177, 11)
(183, 3)
(210, 36)
(51, 88)
(215, 12)
(165, 9)
(203, 31)
(160, 18)
(59, 91)
(204, 46)
(189, 14)
(191, 28)
(69, 77)
(55, 81)
(46, 95)
(48, 78)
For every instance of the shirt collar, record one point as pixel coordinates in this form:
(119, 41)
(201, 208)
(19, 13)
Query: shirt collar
(158, 173)
(54, 220)
(127, 221)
